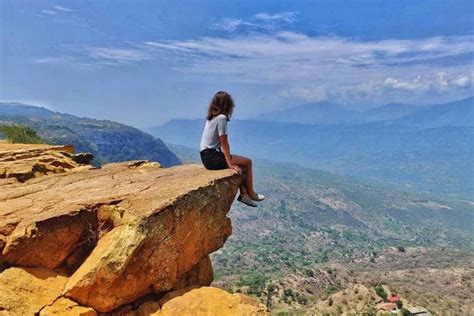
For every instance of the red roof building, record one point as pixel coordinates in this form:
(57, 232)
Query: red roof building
(388, 307)
(394, 298)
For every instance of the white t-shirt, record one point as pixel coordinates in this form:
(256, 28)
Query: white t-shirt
(214, 128)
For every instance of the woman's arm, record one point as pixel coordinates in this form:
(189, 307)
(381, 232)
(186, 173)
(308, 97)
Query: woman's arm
(226, 150)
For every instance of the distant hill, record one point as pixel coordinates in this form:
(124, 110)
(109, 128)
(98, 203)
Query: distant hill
(389, 112)
(108, 141)
(316, 230)
(435, 157)
(458, 113)
(311, 215)
(314, 113)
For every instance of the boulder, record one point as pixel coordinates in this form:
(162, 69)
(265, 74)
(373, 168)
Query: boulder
(66, 307)
(208, 301)
(25, 291)
(165, 231)
(82, 158)
(121, 231)
(26, 161)
(85, 241)
(201, 274)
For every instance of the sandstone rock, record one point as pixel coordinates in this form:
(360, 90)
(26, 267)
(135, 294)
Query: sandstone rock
(66, 307)
(158, 242)
(208, 301)
(25, 291)
(201, 274)
(130, 227)
(82, 158)
(120, 233)
(148, 308)
(25, 161)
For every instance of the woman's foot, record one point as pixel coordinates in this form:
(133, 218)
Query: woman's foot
(246, 200)
(257, 197)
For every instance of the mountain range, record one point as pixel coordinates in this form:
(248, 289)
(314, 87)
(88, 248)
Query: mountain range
(108, 141)
(430, 149)
(317, 230)
(325, 113)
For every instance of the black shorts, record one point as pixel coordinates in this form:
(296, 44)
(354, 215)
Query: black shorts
(213, 159)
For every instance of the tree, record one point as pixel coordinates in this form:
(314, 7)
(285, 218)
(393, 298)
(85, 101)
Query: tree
(20, 134)
(270, 290)
(381, 292)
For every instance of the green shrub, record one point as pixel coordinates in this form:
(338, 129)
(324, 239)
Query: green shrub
(288, 292)
(20, 134)
(301, 298)
(309, 272)
(381, 292)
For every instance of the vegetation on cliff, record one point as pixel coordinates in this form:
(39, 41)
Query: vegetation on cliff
(108, 141)
(20, 134)
(317, 232)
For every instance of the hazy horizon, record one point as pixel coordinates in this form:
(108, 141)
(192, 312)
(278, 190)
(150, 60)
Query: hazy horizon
(112, 209)
(145, 62)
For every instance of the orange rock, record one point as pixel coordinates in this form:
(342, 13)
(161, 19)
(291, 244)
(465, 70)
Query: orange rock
(25, 291)
(66, 307)
(208, 301)
(25, 161)
(201, 274)
(148, 308)
(166, 230)
(122, 231)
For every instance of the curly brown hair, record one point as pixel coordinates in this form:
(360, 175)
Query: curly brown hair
(222, 103)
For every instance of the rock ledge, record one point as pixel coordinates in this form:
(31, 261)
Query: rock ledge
(103, 239)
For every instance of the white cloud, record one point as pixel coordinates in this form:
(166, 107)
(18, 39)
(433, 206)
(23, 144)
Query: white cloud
(52, 60)
(287, 16)
(314, 94)
(66, 62)
(288, 56)
(90, 57)
(309, 68)
(462, 81)
(429, 82)
(49, 12)
(258, 22)
(368, 90)
(116, 54)
(231, 25)
(61, 8)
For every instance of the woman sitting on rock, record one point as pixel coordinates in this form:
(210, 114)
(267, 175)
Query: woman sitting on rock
(215, 149)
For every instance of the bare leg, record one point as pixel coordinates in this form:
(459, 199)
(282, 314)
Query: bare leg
(243, 187)
(246, 164)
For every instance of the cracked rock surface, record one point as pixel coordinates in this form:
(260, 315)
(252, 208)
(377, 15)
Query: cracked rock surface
(98, 240)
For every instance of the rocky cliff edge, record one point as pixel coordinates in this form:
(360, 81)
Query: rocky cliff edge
(128, 238)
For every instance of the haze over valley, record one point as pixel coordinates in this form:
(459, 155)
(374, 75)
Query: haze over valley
(358, 117)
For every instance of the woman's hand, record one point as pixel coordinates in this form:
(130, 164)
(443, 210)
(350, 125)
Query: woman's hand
(236, 168)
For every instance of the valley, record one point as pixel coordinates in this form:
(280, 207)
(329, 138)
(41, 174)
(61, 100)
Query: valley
(319, 235)
(429, 150)
(325, 242)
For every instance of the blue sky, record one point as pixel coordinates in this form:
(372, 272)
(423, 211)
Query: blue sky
(144, 62)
